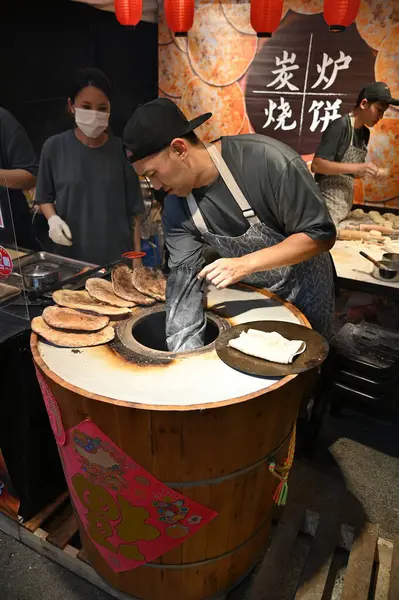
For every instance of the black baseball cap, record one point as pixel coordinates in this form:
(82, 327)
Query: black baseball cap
(154, 125)
(377, 92)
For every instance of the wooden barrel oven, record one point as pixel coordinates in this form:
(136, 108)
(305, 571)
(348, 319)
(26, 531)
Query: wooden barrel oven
(215, 453)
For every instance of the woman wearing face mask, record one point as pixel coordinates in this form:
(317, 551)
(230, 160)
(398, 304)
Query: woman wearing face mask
(86, 189)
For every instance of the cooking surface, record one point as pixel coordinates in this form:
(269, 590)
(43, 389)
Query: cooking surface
(350, 265)
(41, 262)
(197, 379)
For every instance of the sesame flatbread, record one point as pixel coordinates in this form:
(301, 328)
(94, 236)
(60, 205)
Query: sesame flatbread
(305, 7)
(102, 291)
(71, 340)
(219, 54)
(375, 20)
(71, 319)
(387, 63)
(150, 282)
(383, 150)
(238, 14)
(81, 300)
(226, 103)
(173, 70)
(122, 284)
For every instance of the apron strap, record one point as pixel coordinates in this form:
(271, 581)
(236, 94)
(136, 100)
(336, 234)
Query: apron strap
(352, 122)
(231, 183)
(196, 215)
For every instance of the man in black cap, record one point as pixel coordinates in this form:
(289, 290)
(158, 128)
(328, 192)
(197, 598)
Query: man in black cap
(251, 199)
(341, 155)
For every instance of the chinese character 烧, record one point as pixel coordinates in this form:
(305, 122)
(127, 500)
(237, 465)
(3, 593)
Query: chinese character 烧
(330, 113)
(284, 72)
(285, 113)
(340, 64)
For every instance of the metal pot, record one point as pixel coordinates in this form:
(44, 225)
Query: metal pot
(40, 275)
(391, 257)
(390, 273)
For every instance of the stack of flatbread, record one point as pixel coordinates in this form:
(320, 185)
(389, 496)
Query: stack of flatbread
(82, 318)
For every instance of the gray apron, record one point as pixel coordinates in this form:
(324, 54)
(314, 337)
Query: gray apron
(309, 285)
(338, 189)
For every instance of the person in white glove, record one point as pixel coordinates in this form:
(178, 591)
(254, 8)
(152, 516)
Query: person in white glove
(59, 231)
(86, 188)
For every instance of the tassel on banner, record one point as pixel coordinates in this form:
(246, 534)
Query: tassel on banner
(339, 14)
(129, 12)
(266, 16)
(179, 15)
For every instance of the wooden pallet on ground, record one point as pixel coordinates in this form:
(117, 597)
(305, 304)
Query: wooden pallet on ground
(334, 562)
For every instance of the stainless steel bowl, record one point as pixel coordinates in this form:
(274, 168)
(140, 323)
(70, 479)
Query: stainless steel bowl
(38, 275)
(391, 257)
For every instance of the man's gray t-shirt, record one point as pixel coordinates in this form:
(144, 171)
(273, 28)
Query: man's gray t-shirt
(96, 192)
(276, 183)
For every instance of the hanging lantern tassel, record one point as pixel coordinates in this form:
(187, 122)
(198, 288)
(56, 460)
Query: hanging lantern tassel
(179, 16)
(128, 12)
(266, 16)
(339, 14)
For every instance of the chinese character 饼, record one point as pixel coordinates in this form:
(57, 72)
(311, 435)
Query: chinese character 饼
(330, 113)
(284, 72)
(341, 63)
(285, 113)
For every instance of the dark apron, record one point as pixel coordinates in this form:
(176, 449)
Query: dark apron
(338, 189)
(308, 285)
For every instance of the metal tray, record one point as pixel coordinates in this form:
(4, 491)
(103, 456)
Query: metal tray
(69, 267)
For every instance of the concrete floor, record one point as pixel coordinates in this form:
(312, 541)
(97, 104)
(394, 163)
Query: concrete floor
(353, 477)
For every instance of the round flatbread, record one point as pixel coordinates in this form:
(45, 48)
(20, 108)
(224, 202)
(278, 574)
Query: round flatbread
(122, 284)
(81, 300)
(383, 150)
(72, 340)
(71, 319)
(102, 291)
(226, 103)
(375, 20)
(246, 126)
(238, 14)
(164, 34)
(305, 7)
(219, 54)
(173, 70)
(150, 282)
(387, 63)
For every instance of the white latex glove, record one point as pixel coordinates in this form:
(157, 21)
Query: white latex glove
(59, 231)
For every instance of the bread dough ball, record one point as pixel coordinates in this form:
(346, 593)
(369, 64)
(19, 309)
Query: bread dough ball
(358, 213)
(375, 233)
(395, 225)
(389, 216)
(376, 217)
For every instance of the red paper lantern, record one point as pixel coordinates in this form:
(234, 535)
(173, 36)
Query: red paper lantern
(179, 15)
(339, 14)
(266, 16)
(128, 12)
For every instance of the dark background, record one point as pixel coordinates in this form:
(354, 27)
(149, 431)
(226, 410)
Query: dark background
(43, 45)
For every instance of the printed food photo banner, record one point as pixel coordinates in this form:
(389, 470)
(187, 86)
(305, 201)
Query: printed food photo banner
(289, 86)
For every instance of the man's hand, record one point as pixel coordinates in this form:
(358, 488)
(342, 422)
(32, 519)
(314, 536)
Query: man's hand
(225, 271)
(367, 169)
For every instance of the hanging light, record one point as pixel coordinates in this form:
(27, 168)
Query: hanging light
(128, 12)
(179, 15)
(339, 14)
(266, 16)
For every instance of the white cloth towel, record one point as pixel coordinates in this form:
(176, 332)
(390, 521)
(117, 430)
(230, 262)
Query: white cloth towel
(268, 345)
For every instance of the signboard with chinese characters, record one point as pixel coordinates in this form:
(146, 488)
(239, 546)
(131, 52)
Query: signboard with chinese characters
(291, 86)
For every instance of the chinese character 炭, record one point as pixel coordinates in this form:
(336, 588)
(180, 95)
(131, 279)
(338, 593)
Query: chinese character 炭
(284, 72)
(341, 63)
(285, 111)
(330, 113)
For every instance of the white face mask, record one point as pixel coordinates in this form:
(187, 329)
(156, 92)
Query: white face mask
(91, 122)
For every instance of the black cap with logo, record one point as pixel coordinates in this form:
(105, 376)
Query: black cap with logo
(154, 125)
(377, 92)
